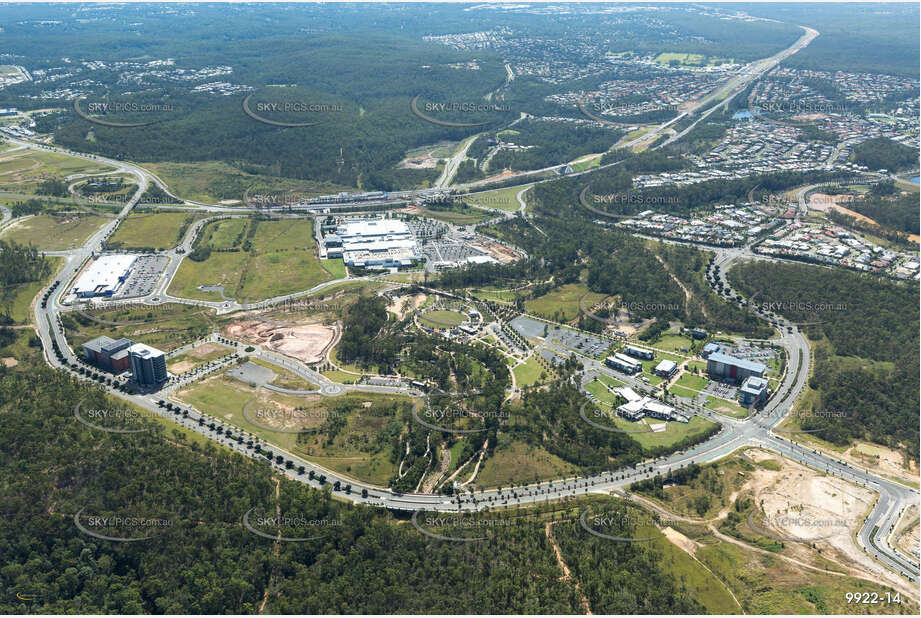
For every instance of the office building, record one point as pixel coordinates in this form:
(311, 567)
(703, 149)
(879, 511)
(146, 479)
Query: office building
(148, 365)
(722, 366)
(710, 348)
(641, 353)
(107, 353)
(623, 363)
(666, 369)
(753, 391)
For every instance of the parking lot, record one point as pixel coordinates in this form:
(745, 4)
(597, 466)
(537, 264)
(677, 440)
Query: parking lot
(144, 275)
(721, 389)
(588, 345)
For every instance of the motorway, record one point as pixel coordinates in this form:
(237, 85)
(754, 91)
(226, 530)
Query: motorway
(736, 434)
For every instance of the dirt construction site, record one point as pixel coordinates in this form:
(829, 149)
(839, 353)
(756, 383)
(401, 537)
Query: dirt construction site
(305, 341)
(801, 503)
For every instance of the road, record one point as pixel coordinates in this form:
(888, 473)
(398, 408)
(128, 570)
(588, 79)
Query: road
(753, 431)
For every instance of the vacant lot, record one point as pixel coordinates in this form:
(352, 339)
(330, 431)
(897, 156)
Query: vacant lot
(53, 233)
(562, 303)
(166, 327)
(22, 170)
(519, 463)
(528, 372)
(352, 448)
(159, 231)
(503, 199)
(213, 181)
(282, 260)
(196, 357)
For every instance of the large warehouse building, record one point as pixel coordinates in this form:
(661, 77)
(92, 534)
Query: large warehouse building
(384, 243)
(723, 366)
(104, 276)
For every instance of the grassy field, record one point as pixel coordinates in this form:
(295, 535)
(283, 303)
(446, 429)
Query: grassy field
(53, 233)
(282, 261)
(680, 391)
(495, 294)
(726, 407)
(335, 267)
(213, 181)
(692, 381)
(22, 170)
(166, 327)
(673, 433)
(352, 451)
(227, 232)
(673, 343)
(562, 303)
(442, 319)
(18, 300)
(520, 463)
(159, 231)
(502, 199)
(767, 585)
(528, 372)
(196, 357)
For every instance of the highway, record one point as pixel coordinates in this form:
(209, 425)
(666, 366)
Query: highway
(736, 434)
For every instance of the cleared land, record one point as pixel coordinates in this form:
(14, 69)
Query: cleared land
(282, 260)
(502, 199)
(159, 231)
(528, 372)
(165, 327)
(519, 463)
(562, 303)
(213, 181)
(53, 233)
(360, 448)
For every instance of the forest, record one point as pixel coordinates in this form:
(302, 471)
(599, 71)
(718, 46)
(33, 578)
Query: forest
(866, 356)
(205, 561)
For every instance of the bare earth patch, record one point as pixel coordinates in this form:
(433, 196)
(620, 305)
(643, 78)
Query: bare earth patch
(680, 540)
(403, 305)
(882, 460)
(9, 361)
(796, 499)
(307, 342)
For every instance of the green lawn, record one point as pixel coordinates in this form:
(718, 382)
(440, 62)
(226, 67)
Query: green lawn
(673, 343)
(159, 231)
(562, 303)
(726, 407)
(282, 261)
(692, 381)
(673, 433)
(680, 391)
(335, 267)
(442, 319)
(528, 373)
(227, 232)
(54, 233)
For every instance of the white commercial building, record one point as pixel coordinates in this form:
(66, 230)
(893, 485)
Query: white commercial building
(104, 276)
(377, 242)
